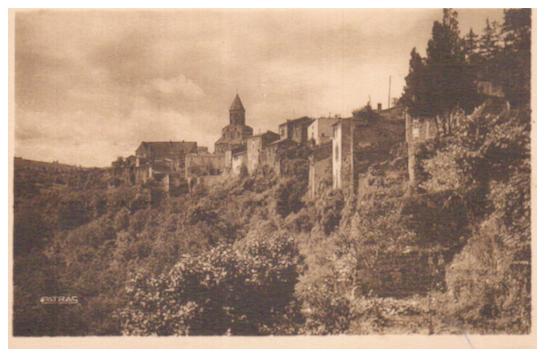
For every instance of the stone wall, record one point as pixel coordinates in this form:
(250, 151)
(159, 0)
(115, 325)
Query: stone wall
(207, 181)
(239, 160)
(320, 169)
(417, 130)
(276, 155)
(342, 154)
(204, 164)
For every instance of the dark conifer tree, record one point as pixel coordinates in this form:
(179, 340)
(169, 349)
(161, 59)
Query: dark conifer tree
(489, 40)
(515, 58)
(414, 94)
(451, 84)
(471, 47)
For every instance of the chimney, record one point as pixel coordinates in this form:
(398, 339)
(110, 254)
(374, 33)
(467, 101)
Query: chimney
(379, 107)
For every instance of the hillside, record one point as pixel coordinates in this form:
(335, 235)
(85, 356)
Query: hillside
(256, 256)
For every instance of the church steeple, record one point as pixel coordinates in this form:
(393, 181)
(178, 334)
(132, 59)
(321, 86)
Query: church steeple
(237, 113)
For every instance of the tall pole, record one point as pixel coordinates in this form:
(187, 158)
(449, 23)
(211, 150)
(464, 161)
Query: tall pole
(389, 89)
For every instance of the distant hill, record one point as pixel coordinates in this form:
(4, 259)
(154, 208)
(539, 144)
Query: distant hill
(55, 165)
(31, 176)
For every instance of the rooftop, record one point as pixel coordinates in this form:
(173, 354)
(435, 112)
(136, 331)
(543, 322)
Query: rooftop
(166, 147)
(237, 104)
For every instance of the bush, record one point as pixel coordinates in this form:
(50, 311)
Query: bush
(489, 285)
(242, 289)
(289, 196)
(325, 294)
(330, 208)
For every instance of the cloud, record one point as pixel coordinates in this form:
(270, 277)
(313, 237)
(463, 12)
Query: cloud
(65, 137)
(178, 85)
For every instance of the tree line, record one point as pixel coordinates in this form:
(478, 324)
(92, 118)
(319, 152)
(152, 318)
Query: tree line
(446, 80)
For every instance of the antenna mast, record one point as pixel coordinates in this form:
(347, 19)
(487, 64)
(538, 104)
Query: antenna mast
(389, 89)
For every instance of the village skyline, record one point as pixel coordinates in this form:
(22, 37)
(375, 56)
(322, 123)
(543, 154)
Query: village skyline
(120, 78)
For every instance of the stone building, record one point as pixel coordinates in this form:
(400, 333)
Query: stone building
(360, 142)
(295, 129)
(124, 170)
(239, 160)
(321, 130)
(320, 169)
(256, 148)
(277, 154)
(236, 133)
(204, 168)
(162, 157)
(203, 164)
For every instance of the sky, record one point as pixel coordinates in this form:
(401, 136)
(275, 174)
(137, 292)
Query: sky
(90, 85)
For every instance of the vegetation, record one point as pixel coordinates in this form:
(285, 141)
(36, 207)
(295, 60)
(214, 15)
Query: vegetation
(444, 82)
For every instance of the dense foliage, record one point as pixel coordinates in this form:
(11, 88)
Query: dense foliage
(242, 289)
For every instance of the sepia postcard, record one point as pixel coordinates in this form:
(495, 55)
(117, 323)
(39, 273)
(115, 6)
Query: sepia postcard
(272, 178)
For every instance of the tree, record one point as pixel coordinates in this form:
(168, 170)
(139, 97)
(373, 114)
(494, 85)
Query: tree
(415, 92)
(515, 59)
(489, 40)
(443, 83)
(450, 83)
(517, 29)
(471, 47)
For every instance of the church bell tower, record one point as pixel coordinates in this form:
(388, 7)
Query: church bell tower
(237, 113)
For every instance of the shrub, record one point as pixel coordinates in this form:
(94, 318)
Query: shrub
(241, 289)
(289, 196)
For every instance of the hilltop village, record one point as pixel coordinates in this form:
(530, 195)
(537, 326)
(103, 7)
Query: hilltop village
(336, 151)
(335, 148)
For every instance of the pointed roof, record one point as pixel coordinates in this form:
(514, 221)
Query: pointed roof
(237, 104)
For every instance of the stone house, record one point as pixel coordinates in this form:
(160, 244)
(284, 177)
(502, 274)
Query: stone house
(161, 157)
(295, 129)
(360, 142)
(256, 148)
(239, 160)
(321, 130)
(277, 154)
(320, 169)
(236, 133)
